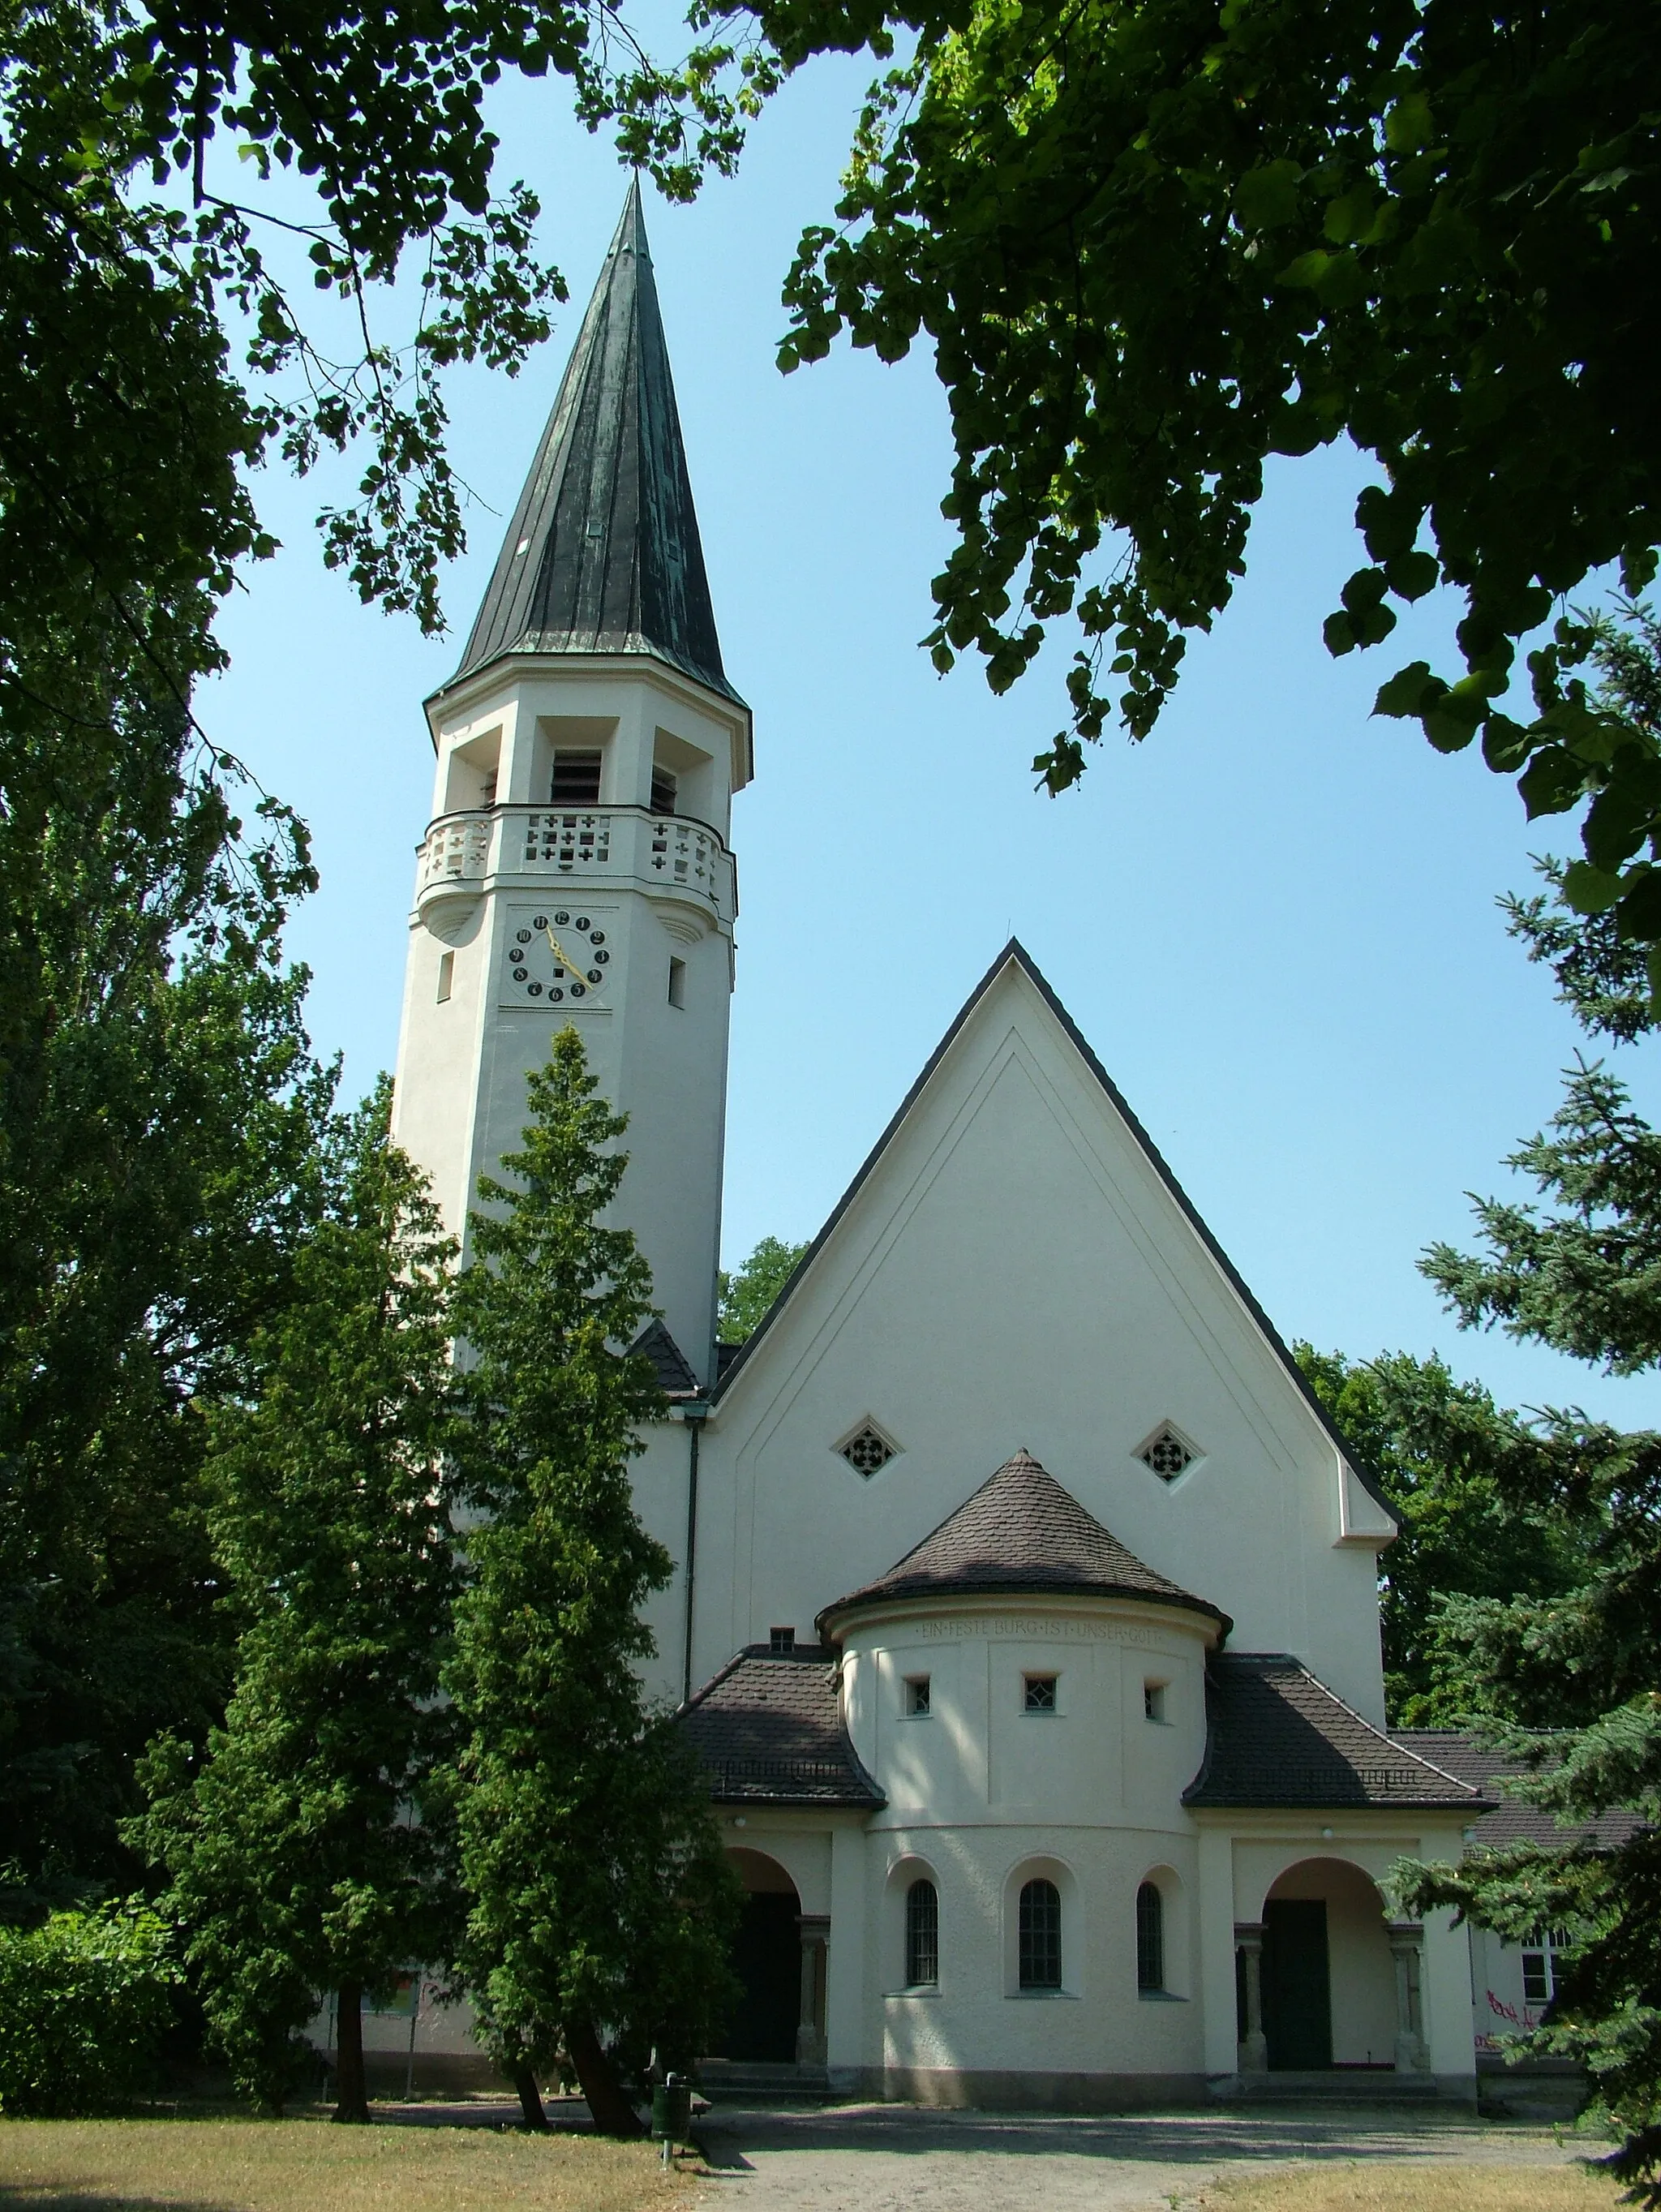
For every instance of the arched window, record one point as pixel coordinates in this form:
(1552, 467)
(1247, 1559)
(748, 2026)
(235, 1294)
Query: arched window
(1150, 1938)
(922, 1935)
(1040, 1936)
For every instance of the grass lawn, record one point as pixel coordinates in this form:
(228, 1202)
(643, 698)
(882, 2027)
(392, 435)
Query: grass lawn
(1415, 2185)
(307, 2165)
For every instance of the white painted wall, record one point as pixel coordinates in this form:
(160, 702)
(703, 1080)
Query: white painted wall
(1013, 1272)
(462, 1058)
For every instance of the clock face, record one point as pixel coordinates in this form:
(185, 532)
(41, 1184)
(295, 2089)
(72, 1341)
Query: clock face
(556, 956)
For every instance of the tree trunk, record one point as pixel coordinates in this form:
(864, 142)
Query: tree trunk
(530, 2100)
(609, 2108)
(351, 2097)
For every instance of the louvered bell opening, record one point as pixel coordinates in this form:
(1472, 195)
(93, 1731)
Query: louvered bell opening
(576, 779)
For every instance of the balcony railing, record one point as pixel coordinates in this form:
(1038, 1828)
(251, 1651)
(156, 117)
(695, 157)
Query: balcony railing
(662, 853)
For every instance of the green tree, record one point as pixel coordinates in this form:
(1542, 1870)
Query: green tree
(159, 1111)
(1571, 1680)
(747, 1293)
(297, 1859)
(599, 1901)
(1451, 1463)
(146, 248)
(1152, 244)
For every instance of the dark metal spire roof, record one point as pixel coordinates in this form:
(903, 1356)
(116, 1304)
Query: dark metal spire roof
(602, 554)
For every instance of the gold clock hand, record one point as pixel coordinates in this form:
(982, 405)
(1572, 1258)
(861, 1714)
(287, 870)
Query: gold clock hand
(566, 961)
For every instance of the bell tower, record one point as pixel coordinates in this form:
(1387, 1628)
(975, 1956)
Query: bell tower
(576, 867)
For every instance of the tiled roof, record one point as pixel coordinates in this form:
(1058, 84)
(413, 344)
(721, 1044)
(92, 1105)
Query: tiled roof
(1276, 1737)
(1509, 1820)
(1021, 1534)
(676, 1377)
(768, 1731)
(725, 1355)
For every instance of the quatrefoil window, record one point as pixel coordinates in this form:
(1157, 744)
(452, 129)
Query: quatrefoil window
(1168, 1453)
(867, 1451)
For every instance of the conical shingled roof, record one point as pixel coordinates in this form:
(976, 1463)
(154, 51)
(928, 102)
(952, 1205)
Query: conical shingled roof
(602, 554)
(1021, 1534)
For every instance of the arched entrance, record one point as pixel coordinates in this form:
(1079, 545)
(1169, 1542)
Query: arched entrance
(766, 1957)
(1336, 1986)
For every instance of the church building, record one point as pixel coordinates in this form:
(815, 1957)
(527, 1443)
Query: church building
(1025, 1615)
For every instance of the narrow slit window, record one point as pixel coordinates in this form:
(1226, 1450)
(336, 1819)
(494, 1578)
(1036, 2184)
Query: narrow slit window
(917, 1697)
(663, 791)
(1039, 1936)
(576, 778)
(446, 974)
(1153, 1701)
(677, 982)
(1150, 1938)
(922, 1937)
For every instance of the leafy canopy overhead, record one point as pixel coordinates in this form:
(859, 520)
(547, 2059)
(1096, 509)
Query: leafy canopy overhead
(1153, 242)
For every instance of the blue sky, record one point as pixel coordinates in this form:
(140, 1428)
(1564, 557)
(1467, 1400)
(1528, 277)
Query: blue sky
(1273, 919)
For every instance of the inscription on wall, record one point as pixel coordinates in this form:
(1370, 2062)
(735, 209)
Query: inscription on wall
(1035, 1627)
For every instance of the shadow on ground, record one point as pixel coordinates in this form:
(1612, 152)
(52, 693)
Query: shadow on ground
(727, 2135)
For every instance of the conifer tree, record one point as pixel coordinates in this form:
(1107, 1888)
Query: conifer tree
(599, 1901)
(1571, 1680)
(298, 1860)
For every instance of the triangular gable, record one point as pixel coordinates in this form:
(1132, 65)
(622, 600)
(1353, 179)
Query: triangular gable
(1358, 1523)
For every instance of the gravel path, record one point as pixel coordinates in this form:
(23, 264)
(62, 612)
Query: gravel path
(886, 2158)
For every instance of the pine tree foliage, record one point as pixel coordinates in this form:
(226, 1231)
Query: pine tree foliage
(298, 1860)
(598, 1898)
(1578, 1672)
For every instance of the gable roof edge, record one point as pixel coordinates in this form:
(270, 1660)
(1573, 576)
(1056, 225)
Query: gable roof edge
(1016, 951)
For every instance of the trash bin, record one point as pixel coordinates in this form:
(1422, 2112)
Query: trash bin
(671, 2113)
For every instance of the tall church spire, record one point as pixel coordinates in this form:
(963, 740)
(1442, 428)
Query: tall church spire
(602, 554)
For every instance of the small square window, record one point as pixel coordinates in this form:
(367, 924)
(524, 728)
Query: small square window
(1153, 1701)
(1040, 1693)
(917, 1696)
(1168, 1453)
(781, 1639)
(867, 1451)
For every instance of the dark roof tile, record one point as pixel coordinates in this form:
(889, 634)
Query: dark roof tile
(768, 1730)
(1276, 1737)
(1020, 1535)
(673, 1373)
(1507, 1819)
